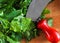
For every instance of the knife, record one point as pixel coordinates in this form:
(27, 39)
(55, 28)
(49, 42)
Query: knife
(34, 11)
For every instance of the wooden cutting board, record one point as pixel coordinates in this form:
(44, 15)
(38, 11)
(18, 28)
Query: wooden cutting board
(54, 8)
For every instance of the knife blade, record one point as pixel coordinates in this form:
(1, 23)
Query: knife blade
(35, 9)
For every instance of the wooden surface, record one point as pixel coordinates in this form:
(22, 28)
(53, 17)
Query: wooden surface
(54, 8)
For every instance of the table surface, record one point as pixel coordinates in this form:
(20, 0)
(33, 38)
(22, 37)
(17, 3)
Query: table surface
(54, 8)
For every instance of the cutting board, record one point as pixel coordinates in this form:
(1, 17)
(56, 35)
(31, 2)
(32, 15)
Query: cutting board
(54, 8)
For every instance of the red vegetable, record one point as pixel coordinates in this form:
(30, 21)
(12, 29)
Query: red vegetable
(51, 34)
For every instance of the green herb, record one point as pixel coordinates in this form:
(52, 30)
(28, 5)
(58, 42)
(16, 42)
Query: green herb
(14, 26)
(50, 22)
(45, 11)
